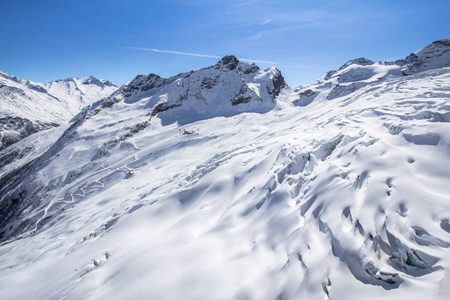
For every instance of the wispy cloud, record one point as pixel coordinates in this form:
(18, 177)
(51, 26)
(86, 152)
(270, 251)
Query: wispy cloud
(199, 55)
(267, 21)
(258, 61)
(174, 52)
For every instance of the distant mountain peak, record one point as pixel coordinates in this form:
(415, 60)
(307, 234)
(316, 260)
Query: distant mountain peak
(29, 107)
(362, 61)
(9, 76)
(87, 81)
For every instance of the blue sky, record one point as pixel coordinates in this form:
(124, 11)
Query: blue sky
(48, 40)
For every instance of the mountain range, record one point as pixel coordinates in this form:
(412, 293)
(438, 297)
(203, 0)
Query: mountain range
(28, 107)
(225, 183)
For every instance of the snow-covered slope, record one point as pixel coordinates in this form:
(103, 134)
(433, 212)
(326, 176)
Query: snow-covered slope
(225, 89)
(155, 193)
(28, 107)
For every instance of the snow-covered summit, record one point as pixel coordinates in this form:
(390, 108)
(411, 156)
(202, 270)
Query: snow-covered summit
(226, 88)
(78, 92)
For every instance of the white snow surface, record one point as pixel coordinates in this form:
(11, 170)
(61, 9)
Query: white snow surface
(342, 194)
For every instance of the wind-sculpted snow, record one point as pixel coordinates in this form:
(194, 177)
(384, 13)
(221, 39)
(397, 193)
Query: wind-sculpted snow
(344, 198)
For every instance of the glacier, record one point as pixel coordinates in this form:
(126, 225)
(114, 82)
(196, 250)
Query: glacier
(225, 183)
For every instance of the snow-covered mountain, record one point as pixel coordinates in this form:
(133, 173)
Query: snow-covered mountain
(28, 107)
(78, 92)
(224, 183)
(361, 72)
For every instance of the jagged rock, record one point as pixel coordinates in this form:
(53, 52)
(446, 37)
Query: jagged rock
(278, 84)
(230, 62)
(305, 97)
(208, 83)
(252, 68)
(245, 95)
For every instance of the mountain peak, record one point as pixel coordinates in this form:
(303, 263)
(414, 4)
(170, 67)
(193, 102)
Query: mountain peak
(29, 107)
(229, 62)
(362, 61)
(229, 87)
(96, 81)
(88, 80)
(9, 76)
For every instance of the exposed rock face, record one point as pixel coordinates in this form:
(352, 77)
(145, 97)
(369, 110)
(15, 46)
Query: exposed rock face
(306, 97)
(230, 62)
(244, 95)
(36, 87)
(278, 84)
(13, 129)
(144, 83)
